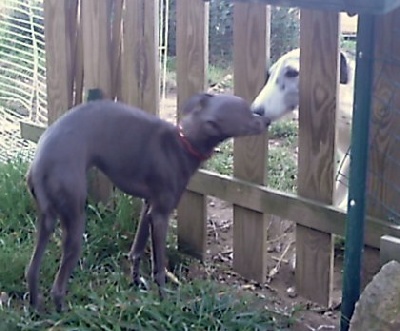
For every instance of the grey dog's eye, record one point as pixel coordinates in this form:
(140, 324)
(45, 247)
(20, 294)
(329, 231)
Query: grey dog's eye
(291, 73)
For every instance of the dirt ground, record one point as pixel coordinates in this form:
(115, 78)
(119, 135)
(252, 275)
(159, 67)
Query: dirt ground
(278, 289)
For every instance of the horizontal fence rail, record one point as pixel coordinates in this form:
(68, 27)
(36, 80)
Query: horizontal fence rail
(307, 212)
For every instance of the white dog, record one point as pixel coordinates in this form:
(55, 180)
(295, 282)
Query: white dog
(280, 96)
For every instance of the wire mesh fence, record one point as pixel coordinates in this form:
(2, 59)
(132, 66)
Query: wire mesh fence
(22, 72)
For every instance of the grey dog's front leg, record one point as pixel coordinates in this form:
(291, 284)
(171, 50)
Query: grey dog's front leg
(139, 244)
(159, 228)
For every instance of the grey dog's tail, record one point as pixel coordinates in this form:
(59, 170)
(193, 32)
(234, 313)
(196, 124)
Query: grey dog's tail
(29, 183)
(37, 190)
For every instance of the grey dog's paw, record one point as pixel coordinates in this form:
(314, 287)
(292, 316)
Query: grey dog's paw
(141, 283)
(59, 304)
(35, 301)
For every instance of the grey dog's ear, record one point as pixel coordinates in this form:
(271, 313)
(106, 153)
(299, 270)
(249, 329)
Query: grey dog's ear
(204, 99)
(196, 102)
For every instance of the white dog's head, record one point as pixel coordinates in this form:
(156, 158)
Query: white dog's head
(280, 95)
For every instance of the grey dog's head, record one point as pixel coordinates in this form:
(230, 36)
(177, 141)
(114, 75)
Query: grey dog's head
(220, 116)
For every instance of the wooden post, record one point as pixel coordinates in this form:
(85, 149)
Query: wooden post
(383, 183)
(250, 54)
(58, 44)
(140, 68)
(96, 33)
(317, 119)
(192, 60)
(384, 179)
(96, 29)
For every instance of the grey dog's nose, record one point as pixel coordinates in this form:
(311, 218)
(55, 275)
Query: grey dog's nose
(259, 110)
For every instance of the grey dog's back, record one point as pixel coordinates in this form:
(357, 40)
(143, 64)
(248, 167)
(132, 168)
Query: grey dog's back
(62, 155)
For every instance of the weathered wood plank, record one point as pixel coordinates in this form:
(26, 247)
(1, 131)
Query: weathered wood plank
(192, 48)
(317, 119)
(192, 60)
(307, 212)
(192, 233)
(96, 35)
(58, 57)
(315, 272)
(383, 180)
(140, 67)
(250, 53)
(96, 29)
(384, 154)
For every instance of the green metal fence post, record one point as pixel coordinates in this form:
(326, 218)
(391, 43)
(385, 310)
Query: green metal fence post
(358, 170)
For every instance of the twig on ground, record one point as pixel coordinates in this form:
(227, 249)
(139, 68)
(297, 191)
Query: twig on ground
(277, 267)
(277, 238)
(214, 229)
(279, 259)
(172, 277)
(321, 327)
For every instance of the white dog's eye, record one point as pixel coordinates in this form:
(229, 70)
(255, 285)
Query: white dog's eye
(291, 73)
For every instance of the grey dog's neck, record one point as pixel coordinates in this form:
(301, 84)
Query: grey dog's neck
(200, 151)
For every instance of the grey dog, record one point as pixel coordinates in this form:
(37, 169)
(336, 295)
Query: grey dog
(143, 156)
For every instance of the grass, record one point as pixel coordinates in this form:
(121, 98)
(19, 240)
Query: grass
(100, 296)
(282, 164)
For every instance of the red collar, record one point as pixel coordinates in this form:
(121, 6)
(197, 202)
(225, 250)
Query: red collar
(190, 149)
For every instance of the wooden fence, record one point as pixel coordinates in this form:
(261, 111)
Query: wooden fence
(88, 47)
